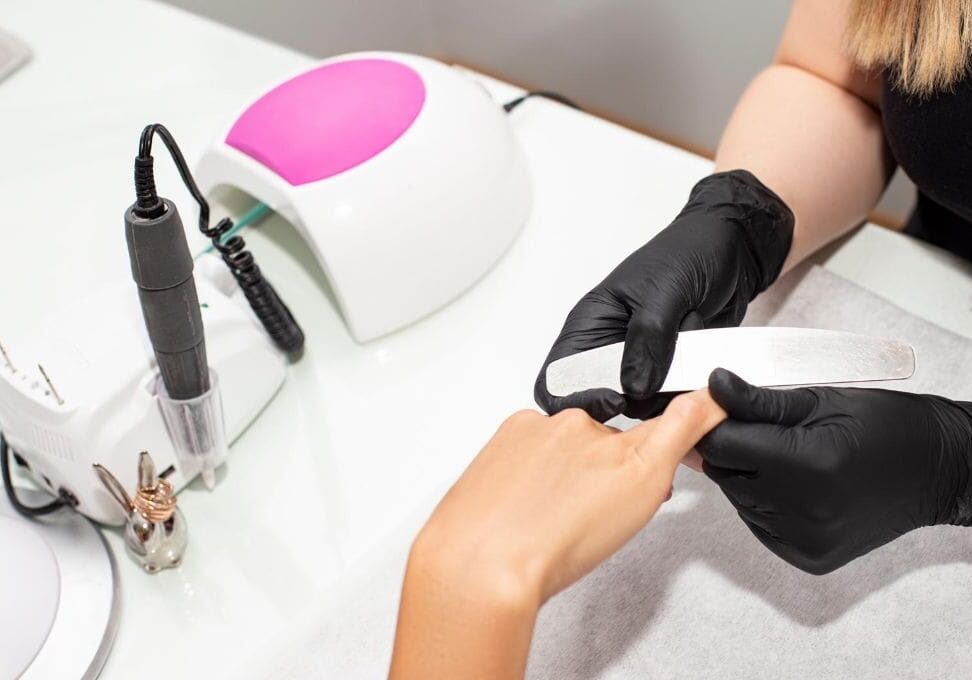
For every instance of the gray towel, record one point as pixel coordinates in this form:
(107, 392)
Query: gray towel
(695, 595)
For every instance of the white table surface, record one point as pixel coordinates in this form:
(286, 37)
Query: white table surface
(360, 435)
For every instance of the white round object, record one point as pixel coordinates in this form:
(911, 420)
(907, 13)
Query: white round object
(29, 591)
(82, 628)
(401, 172)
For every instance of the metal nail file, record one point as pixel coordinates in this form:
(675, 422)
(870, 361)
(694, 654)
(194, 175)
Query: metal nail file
(764, 356)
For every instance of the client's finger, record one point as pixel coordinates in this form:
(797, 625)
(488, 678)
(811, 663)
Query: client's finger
(688, 418)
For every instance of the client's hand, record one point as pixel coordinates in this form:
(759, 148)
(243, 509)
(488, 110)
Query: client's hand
(546, 501)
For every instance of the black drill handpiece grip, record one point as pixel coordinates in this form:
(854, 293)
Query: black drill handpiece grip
(162, 268)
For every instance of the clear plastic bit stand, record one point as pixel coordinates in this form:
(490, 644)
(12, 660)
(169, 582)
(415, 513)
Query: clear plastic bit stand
(197, 430)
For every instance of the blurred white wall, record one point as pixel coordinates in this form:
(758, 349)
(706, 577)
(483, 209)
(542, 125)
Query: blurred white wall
(671, 66)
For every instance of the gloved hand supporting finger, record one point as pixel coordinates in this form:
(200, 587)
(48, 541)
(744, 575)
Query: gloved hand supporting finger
(745, 447)
(745, 402)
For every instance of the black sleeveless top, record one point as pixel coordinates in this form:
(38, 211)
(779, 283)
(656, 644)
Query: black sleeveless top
(931, 138)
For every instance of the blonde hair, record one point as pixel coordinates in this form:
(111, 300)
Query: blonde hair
(925, 43)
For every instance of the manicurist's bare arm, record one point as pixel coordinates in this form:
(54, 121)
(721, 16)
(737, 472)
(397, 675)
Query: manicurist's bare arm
(809, 127)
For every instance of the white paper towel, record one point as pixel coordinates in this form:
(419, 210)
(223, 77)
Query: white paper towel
(695, 595)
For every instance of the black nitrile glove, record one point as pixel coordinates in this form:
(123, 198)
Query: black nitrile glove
(822, 475)
(726, 246)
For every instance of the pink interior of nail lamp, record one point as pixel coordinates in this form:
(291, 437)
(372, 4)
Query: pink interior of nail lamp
(330, 119)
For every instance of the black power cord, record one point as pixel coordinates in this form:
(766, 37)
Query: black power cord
(266, 304)
(553, 96)
(64, 498)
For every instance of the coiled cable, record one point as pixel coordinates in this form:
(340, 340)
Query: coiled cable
(264, 300)
(275, 316)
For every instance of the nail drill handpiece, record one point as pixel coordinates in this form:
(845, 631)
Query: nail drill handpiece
(162, 268)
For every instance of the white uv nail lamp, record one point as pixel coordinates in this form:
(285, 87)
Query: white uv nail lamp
(402, 174)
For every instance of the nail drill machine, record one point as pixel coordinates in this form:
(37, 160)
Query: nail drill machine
(407, 183)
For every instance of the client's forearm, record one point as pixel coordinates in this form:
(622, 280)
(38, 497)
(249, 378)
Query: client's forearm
(461, 621)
